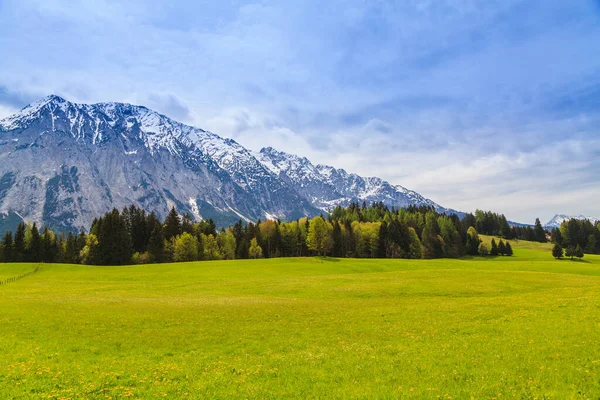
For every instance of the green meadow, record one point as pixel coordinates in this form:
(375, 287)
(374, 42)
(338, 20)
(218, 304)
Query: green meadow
(522, 327)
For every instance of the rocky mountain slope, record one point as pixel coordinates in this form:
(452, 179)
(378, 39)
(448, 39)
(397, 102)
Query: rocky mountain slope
(62, 164)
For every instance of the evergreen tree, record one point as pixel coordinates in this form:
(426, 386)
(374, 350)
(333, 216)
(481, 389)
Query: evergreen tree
(591, 246)
(494, 248)
(570, 252)
(71, 255)
(337, 250)
(19, 243)
(114, 242)
(172, 225)
(557, 251)
(34, 249)
(508, 249)
(472, 245)
(186, 223)
(156, 244)
(49, 247)
(7, 247)
(539, 232)
(501, 248)
(578, 252)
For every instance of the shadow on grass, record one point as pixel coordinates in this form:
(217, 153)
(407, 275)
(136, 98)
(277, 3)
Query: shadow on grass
(580, 260)
(328, 259)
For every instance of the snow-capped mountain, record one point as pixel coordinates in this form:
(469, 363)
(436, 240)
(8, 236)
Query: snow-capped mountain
(62, 164)
(558, 219)
(326, 187)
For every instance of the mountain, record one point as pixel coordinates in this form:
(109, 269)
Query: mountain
(326, 187)
(62, 164)
(558, 219)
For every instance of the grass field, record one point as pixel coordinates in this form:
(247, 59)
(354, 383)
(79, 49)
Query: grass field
(522, 327)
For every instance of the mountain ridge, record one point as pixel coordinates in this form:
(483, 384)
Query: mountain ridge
(63, 163)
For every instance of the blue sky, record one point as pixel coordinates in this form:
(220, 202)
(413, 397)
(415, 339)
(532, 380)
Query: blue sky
(475, 104)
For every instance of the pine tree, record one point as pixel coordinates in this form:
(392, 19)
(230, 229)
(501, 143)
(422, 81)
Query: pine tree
(570, 252)
(557, 251)
(172, 225)
(156, 244)
(114, 241)
(494, 248)
(7, 247)
(578, 252)
(590, 248)
(34, 250)
(19, 243)
(337, 250)
(508, 249)
(472, 245)
(539, 232)
(501, 248)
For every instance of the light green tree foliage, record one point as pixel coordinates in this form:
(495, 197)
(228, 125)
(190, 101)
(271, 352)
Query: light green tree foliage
(211, 247)
(415, 247)
(227, 244)
(185, 248)
(366, 235)
(319, 236)
(88, 253)
(255, 251)
(483, 249)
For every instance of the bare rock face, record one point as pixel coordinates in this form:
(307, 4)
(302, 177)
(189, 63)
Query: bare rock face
(63, 164)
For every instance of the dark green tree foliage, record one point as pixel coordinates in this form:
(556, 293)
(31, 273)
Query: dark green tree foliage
(501, 248)
(186, 223)
(472, 244)
(338, 245)
(172, 225)
(557, 251)
(508, 249)
(19, 243)
(494, 248)
(570, 252)
(156, 244)
(50, 247)
(578, 252)
(7, 247)
(114, 242)
(539, 232)
(34, 248)
(581, 233)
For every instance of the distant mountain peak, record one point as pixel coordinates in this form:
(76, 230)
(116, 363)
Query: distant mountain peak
(558, 219)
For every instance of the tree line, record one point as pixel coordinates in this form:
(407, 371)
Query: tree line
(375, 231)
(575, 238)
(490, 223)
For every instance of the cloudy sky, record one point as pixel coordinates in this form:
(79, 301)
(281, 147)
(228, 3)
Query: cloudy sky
(474, 104)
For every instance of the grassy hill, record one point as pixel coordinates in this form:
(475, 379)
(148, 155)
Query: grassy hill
(520, 327)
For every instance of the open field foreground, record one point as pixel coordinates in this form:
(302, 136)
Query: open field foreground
(521, 327)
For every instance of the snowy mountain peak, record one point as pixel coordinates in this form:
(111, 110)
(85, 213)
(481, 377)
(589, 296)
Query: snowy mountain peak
(558, 219)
